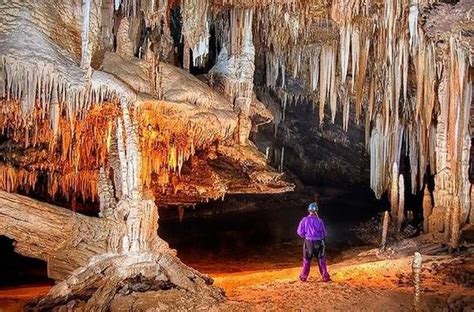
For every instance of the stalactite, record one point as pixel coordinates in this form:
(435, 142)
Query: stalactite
(333, 88)
(166, 144)
(355, 54)
(314, 71)
(327, 80)
(154, 12)
(393, 52)
(376, 154)
(13, 179)
(195, 28)
(282, 158)
(68, 167)
(345, 41)
(361, 74)
(181, 211)
(382, 43)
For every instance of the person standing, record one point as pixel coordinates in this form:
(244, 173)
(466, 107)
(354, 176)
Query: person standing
(311, 228)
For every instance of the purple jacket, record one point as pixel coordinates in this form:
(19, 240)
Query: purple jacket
(312, 228)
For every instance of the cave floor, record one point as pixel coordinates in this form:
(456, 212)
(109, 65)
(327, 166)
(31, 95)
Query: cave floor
(383, 285)
(357, 285)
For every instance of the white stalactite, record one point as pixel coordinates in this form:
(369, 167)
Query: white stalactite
(196, 28)
(282, 158)
(314, 71)
(86, 52)
(345, 44)
(413, 23)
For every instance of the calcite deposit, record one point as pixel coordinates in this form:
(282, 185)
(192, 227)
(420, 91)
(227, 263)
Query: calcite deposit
(101, 104)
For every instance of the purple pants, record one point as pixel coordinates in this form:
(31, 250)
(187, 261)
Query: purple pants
(313, 249)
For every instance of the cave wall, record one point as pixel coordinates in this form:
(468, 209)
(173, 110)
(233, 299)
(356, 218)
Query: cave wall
(318, 155)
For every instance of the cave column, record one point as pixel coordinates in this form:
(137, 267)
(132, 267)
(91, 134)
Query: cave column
(137, 210)
(453, 142)
(443, 192)
(247, 69)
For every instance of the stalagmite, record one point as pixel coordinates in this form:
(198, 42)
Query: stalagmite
(282, 158)
(455, 224)
(416, 268)
(394, 191)
(401, 203)
(427, 208)
(384, 230)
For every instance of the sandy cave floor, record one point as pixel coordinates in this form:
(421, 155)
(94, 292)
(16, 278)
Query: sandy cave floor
(357, 285)
(374, 286)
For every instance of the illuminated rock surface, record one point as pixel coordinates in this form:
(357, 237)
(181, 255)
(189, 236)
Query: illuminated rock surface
(97, 111)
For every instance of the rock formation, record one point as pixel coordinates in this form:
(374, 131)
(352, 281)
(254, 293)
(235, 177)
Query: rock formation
(427, 209)
(95, 109)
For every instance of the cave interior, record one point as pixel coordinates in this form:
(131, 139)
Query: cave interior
(155, 152)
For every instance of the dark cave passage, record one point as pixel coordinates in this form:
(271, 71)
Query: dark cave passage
(17, 270)
(256, 232)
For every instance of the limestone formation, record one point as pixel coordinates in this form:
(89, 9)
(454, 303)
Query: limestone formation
(96, 109)
(401, 203)
(427, 209)
(384, 229)
(416, 267)
(394, 196)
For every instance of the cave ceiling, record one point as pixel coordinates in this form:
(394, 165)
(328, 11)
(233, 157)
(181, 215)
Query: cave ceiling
(80, 77)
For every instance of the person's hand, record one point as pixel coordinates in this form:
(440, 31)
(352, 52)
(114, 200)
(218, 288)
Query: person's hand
(322, 253)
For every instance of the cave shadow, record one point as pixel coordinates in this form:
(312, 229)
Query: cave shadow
(16, 269)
